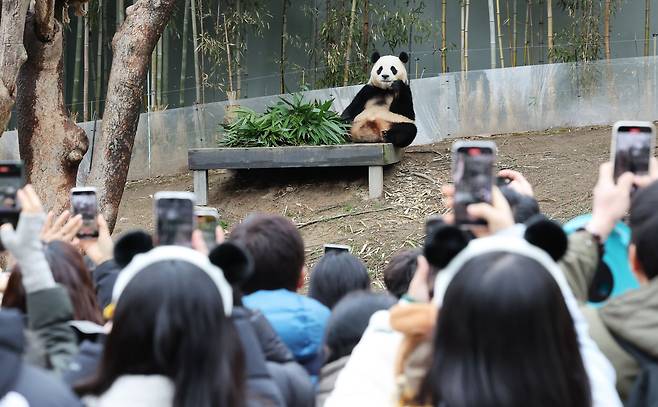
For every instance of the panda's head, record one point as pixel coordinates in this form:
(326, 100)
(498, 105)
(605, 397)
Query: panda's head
(388, 69)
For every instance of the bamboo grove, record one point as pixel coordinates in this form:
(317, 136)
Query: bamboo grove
(206, 50)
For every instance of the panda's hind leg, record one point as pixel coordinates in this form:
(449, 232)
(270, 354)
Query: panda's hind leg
(401, 134)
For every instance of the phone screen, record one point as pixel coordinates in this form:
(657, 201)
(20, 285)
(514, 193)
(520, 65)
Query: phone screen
(633, 150)
(207, 224)
(84, 203)
(11, 180)
(473, 177)
(336, 248)
(175, 221)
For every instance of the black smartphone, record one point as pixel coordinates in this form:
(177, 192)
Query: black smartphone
(473, 175)
(84, 203)
(207, 220)
(174, 218)
(633, 145)
(339, 248)
(12, 178)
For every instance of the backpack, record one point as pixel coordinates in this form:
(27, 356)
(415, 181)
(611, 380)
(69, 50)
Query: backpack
(644, 392)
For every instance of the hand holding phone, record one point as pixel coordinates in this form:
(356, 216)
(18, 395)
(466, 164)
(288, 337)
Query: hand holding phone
(174, 218)
(472, 171)
(85, 204)
(12, 178)
(207, 221)
(633, 145)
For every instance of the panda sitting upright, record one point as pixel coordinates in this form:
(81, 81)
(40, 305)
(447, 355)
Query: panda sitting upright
(383, 110)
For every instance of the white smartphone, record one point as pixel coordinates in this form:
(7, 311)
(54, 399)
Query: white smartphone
(85, 203)
(174, 218)
(207, 220)
(336, 248)
(633, 145)
(473, 175)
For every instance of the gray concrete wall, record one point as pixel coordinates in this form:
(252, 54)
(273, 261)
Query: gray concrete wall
(451, 105)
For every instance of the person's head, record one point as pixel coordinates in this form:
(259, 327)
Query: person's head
(170, 319)
(349, 319)
(336, 274)
(69, 270)
(400, 270)
(277, 249)
(643, 251)
(505, 337)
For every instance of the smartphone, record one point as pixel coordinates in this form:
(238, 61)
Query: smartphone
(12, 178)
(207, 220)
(84, 203)
(633, 145)
(336, 248)
(473, 175)
(174, 218)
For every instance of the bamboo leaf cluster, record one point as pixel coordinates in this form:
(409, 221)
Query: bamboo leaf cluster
(290, 122)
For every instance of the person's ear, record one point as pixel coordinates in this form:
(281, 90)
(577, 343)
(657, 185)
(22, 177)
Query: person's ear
(636, 266)
(302, 278)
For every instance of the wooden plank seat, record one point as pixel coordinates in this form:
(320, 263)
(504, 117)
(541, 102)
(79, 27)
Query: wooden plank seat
(372, 155)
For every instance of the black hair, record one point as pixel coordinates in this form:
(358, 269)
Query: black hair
(170, 321)
(349, 320)
(644, 227)
(505, 337)
(336, 274)
(400, 270)
(277, 250)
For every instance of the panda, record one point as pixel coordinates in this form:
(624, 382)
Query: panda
(383, 110)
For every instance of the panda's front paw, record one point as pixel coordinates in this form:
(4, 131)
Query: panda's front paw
(397, 86)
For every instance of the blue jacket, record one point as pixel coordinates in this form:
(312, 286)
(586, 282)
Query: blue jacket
(298, 320)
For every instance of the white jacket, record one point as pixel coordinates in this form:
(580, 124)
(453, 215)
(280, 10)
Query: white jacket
(135, 391)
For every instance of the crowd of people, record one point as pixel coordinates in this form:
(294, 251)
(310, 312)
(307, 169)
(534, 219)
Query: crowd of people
(493, 316)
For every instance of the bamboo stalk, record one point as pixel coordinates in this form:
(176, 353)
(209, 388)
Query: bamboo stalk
(540, 32)
(526, 38)
(99, 58)
(514, 31)
(85, 78)
(532, 44)
(121, 9)
(75, 96)
(348, 50)
(166, 35)
(366, 33)
(468, 8)
(549, 23)
(492, 35)
(183, 69)
(158, 72)
(647, 26)
(195, 42)
(238, 51)
(461, 33)
(500, 35)
(228, 56)
(201, 59)
(444, 42)
(509, 28)
(284, 40)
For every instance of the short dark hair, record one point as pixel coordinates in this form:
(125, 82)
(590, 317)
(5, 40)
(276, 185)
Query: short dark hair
(400, 270)
(170, 321)
(69, 270)
(335, 275)
(349, 320)
(277, 249)
(505, 326)
(644, 228)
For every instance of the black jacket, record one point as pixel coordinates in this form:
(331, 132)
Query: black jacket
(20, 381)
(105, 275)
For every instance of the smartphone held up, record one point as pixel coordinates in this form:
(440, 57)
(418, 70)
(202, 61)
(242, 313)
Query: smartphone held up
(207, 220)
(12, 178)
(633, 145)
(174, 218)
(473, 176)
(85, 204)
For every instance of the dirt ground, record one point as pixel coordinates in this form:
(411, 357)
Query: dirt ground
(331, 205)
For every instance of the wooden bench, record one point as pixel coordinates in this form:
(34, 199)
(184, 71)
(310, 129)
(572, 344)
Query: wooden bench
(374, 156)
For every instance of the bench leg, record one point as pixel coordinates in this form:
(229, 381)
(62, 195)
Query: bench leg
(201, 187)
(376, 181)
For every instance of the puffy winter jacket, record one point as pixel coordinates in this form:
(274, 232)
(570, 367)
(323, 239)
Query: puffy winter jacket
(21, 384)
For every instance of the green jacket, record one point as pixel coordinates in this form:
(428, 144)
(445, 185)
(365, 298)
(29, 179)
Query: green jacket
(632, 316)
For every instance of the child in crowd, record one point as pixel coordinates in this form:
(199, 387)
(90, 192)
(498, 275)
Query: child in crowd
(335, 275)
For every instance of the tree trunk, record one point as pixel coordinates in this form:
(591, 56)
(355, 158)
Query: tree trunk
(348, 50)
(366, 35)
(12, 55)
(500, 35)
(99, 59)
(132, 46)
(492, 34)
(647, 27)
(549, 23)
(444, 42)
(50, 143)
(183, 68)
(284, 40)
(195, 50)
(85, 71)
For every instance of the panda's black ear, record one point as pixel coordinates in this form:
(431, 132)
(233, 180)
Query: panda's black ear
(404, 57)
(375, 57)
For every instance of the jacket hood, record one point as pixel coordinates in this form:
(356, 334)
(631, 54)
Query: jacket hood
(11, 348)
(135, 391)
(633, 316)
(329, 374)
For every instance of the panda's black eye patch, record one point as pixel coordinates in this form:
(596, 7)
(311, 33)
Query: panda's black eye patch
(381, 68)
(395, 71)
